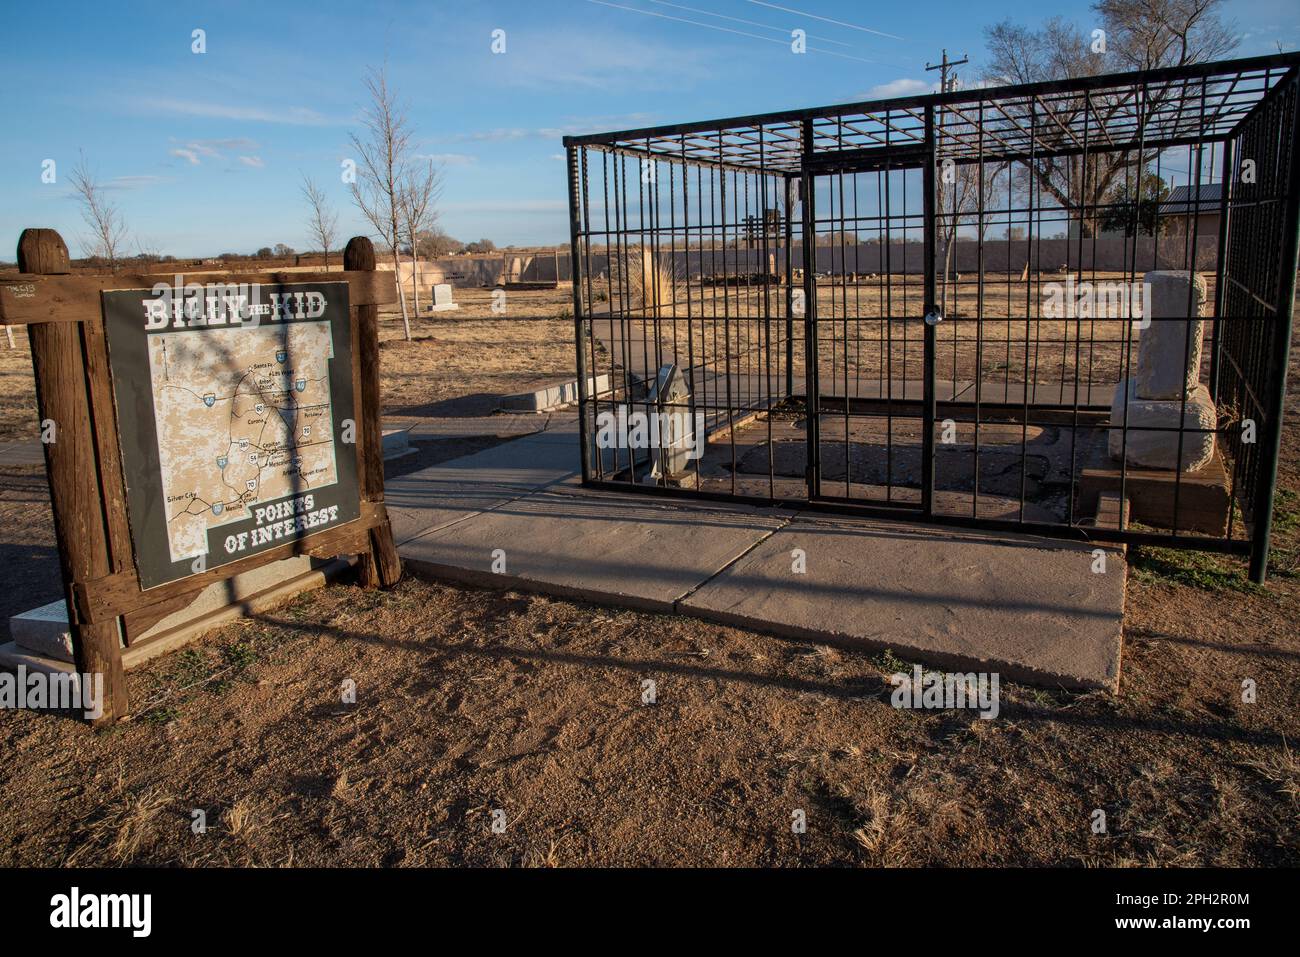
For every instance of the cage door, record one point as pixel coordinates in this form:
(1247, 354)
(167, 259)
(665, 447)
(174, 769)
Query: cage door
(867, 345)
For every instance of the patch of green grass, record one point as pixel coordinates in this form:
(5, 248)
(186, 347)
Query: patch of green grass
(890, 663)
(240, 655)
(161, 715)
(1207, 571)
(1037, 696)
(1286, 511)
(190, 667)
(237, 657)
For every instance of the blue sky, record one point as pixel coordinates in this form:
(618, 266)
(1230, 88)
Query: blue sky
(204, 153)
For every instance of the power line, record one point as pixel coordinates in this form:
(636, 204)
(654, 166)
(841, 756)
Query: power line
(813, 16)
(752, 23)
(739, 33)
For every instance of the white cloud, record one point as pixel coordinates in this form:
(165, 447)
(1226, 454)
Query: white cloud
(293, 115)
(214, 147)
(903, 86)
(604, 60)
(448, 159)
(132, 182)
(576, 126)
(254, 161)
(491, 136)
(189, 156)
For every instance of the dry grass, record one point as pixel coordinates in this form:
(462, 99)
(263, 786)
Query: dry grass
(1281, 768)
(471, 700)
(721, 324)
(462, 360)
(116, 834)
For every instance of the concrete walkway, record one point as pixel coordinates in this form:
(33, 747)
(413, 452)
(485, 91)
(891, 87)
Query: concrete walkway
(515, 516)
(1030, 608)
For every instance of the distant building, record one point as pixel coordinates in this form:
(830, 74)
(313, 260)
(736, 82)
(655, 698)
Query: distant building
(1192, 208)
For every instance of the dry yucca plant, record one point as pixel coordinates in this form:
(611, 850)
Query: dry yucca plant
(646, 281)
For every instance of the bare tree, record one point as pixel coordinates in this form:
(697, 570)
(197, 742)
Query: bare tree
(964, 190)
(322, 220)
(1147, 34)
(435, 243)
(383, 157)
(108, 230)
(1139, 35)
(421, 187)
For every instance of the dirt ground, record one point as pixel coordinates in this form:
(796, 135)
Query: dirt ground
(471, 702)
(725, 325)
(460, 362)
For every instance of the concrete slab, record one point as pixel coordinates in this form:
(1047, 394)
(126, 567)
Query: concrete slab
(43, 634)
(22, 453)
(396, 443)
(12, 656)
(560, 427)
(1028, 608)
(424, 428)
(554, 396)
(620, 499)
(442, 495)
(997, 392)
(43, 631)
(428, 500)
(630, 551)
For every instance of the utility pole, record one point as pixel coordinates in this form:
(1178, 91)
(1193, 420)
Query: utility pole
(945, 84)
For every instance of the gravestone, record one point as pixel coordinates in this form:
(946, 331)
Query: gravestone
(441, 298)
(671, 398)
(1169, 350)
(1162, 417)
(1160, 449)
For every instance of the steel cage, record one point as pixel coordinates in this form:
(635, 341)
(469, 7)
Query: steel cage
(928, 307)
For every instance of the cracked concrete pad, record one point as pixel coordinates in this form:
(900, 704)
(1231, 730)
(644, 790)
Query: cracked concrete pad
(440, 495)
(631, 552)
(1029, 608)
(419, 503)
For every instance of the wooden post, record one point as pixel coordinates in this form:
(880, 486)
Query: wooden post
(76, 493)
(380, 567)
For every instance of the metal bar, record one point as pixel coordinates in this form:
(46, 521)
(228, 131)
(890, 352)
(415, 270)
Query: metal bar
(576, 200)
(1271, 434)
(1224, 68)
(1226, 177)
(930, 310)
(812, 388)
(880, 510)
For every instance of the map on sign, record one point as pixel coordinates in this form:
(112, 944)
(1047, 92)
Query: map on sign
(255, 426)
(236, 419)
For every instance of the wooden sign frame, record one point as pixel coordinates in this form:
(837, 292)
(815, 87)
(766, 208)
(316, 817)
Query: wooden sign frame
(107, 608)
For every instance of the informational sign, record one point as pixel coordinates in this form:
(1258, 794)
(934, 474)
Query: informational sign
(236, 418)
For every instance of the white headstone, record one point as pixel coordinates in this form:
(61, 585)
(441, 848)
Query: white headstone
(672, 399)
(1194, 424)
(1168, 364)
